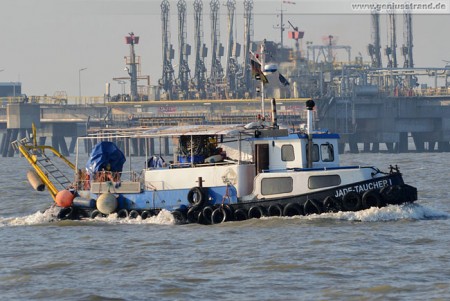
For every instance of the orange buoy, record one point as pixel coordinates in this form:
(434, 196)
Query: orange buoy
(64, 198)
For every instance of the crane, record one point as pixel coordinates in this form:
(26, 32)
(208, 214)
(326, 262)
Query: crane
(200, 51)
(166, 82)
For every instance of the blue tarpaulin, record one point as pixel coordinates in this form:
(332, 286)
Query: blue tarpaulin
(105, 156)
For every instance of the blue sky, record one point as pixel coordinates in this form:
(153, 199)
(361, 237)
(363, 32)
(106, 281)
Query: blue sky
(44, 43)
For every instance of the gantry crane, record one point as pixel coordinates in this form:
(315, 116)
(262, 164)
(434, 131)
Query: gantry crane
(216, 72)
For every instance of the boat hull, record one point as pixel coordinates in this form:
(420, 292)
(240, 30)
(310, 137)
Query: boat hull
(377, 192)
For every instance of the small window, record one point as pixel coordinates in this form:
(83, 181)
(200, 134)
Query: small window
(327, 152)
(315, 182)
(287, 152)
(315, 152)
(276, 185)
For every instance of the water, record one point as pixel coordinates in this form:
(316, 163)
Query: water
(392, 253)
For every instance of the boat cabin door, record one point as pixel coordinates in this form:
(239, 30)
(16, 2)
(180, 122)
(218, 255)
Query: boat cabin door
(261, 157)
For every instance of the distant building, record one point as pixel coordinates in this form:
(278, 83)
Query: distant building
(10, 89)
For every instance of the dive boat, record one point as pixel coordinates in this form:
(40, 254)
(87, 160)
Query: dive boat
(216, 173)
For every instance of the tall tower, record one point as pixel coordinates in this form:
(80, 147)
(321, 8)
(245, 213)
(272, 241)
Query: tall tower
(200, 50)
(184, 51)
(216, 73)
(375, 47)
(248, 38)
(166, 82)
(232, 67)
(408, 38)
(132, 40)
(393, 47)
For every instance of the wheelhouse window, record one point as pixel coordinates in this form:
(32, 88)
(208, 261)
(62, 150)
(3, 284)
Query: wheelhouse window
(276, 185)
(327, 152)
(315, 152)
(287, 152)
(315, 182)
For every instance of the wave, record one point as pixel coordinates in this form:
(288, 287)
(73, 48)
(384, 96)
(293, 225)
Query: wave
(389, 213)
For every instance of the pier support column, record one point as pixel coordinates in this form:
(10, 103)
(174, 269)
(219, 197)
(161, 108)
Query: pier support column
(14, 135)
(366, 148)
(419, 142)
(7, 143)
(390, 147)
(341, 147)
(134, 146)
(166, 146)
(444, 146)
(42, 140)
(151, 146)
(63, 146)
(403, 143)
(375, 147)
(73, 144)
(352, 142)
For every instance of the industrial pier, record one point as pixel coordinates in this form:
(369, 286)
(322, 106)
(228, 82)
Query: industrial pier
(385, 103)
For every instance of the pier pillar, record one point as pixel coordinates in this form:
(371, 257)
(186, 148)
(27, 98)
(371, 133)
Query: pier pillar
(141, 146)
(166, 146)
(14, 136)
(375, 147)
(366, 148)
(73, 144)
(390, 147)
(418, 142)
(151, 146)
(443, 146)
(403, 143)
(341, 147)
(134, 146)
(7, 144)
(42, 140)
(63, 146)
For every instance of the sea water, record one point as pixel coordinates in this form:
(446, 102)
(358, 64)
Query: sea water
(391, 253)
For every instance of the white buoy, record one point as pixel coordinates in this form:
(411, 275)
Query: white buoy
(107, 203)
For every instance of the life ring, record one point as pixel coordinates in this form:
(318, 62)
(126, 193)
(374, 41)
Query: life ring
(218, 216)
(122, 213)
(179, 216)
(311, 206)
(275, 210)
(371, 198)
(292, 209)
(196, 196)
(332, 204)
(133, 214)
(351, 201)
(240, 214)
(65, 213)
(255, 212)
(207, 212)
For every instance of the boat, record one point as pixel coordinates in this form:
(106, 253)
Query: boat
(217, 173)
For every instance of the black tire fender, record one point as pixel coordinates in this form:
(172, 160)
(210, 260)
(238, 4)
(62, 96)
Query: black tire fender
(371, 198)
(196, 196)
(275, 210)
(292, 209)
(352, 201)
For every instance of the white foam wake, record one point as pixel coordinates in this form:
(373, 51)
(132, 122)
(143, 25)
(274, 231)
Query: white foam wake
(388, 213)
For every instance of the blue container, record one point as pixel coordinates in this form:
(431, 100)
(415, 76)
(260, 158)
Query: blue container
(187, 159)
